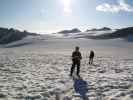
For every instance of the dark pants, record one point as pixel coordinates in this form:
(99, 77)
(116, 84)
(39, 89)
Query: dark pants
(91, 60)
(75, 64)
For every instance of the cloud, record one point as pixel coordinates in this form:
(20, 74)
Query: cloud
(121, 6)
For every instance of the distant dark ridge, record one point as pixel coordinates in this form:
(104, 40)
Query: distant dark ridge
(11, 35)
(120, 33)
(75, 30)
(101, 29)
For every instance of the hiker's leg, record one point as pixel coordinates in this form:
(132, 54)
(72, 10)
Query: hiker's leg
(78, 68)
(89, 60)
(92, 61)
(72, 68)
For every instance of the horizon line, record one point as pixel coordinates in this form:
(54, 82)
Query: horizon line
(58, 30)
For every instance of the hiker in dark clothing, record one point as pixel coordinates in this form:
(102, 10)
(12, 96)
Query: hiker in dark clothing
(76, 57)
(91, 57)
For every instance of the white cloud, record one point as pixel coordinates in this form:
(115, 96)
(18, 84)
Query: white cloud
(121, 6)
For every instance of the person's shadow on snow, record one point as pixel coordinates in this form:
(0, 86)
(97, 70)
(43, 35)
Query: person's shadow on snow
(81, 87)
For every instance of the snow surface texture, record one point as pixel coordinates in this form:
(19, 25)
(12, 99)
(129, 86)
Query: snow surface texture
(41, 72)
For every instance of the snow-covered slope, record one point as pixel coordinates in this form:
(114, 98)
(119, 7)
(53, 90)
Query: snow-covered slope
(40, 70)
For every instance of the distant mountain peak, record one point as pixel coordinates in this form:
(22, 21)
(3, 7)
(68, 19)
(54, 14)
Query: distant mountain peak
(124, 33)
(11, 35)
(74, 30)
(100, 29)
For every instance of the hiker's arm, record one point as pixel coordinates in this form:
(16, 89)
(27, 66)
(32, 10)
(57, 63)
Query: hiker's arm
(72, 55)
(80, 56)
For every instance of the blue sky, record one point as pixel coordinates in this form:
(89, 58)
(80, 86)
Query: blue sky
(55, 15)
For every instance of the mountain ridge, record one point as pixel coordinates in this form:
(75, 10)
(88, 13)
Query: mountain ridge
(12, 35)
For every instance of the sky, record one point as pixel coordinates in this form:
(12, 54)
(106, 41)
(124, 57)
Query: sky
(47, 16)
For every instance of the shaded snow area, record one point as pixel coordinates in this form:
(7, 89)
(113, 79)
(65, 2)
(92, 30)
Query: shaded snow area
(88, 34)
(38, 75)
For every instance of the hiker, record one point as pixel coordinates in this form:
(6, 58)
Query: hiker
(91, 57)
(76, 57)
